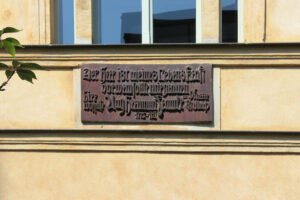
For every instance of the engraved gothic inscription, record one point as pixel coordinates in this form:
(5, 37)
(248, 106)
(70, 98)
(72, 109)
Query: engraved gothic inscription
(146, 93)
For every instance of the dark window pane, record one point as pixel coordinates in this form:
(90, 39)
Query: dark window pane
(229, 21)
(120, 21)
(174, 21)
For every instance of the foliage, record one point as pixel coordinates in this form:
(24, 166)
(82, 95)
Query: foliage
(23, 70)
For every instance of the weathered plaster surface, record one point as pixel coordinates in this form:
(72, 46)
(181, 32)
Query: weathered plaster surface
(260, 99)
(30, 16)
(253, 21)
(283, 21)
(211, 21)
(83, 23)
(58, 176)
(46, 104)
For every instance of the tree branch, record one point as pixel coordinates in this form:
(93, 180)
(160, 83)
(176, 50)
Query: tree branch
(5, 82)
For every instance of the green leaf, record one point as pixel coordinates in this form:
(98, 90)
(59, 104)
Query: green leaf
(26, 75)
(32, 66)
(16, 63)
(9, 30)
(1, 44)
(9, 47)
(2, 65)
(8, 73)
(14, 41)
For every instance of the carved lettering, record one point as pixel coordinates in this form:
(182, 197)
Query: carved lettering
(152, 93)
(90, 75)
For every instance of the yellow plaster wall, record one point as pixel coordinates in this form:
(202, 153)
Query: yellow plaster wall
(283, 21)
(30, 16)
(254, 99)
(253, 21)
(46, 104)
(260, 99)
(211, 21)
(54, 102)
(33, 175)
(251, 99)
(83, 23)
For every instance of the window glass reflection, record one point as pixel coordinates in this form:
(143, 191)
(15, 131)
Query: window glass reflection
(174, 21)
(64, 26)
(229, 21)
(120, 21)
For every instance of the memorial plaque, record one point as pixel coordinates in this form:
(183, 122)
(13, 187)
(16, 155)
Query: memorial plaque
(180, 93)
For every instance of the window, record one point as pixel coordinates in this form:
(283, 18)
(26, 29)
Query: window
(117, 21)
(151, 21)
(121, 22)
(229, 21)
(174, 21)
(64, 21)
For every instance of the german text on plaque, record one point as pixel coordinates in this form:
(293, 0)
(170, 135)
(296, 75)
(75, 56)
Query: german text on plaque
(179, 93)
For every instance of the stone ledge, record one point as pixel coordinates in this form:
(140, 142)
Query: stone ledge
(264, 55)
(151, 142)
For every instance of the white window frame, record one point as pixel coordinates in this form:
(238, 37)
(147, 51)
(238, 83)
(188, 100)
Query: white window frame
(240, 10)
(147, 21)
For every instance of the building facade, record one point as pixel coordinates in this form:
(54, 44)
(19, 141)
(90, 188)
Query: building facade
(249, 151)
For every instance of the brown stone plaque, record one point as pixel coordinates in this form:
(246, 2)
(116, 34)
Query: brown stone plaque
(180, 93)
